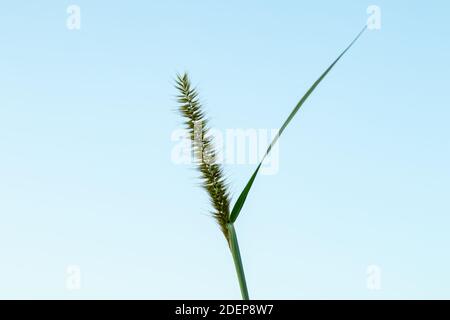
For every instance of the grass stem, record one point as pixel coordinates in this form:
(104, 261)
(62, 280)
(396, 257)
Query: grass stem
(234, 247)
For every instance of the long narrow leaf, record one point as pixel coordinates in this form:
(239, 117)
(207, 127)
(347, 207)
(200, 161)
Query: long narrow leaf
(243, 196)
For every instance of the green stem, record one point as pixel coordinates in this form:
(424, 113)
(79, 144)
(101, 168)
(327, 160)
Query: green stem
(234, 247)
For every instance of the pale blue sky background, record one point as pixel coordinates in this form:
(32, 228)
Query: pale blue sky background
(86, 176)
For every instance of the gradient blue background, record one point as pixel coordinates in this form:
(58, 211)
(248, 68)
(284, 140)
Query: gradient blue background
(86, 176)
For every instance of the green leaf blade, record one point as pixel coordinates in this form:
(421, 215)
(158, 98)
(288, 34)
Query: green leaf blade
(243, 196)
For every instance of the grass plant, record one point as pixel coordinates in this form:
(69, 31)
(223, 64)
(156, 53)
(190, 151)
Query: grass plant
(211, 172)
